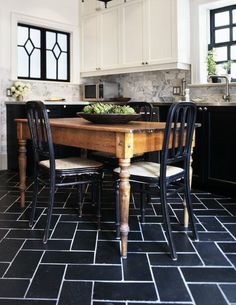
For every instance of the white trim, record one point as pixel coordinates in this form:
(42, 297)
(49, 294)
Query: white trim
(74, 41)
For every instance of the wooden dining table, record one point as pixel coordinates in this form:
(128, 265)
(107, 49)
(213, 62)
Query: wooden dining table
(123, 140)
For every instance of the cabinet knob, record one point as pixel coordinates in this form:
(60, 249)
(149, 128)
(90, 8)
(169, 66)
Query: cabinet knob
(142, 63)
(200, 108)
(48, 110)
(146, 63)
(205, 108)
(64, 106)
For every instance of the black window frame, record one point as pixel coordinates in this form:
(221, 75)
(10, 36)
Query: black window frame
(43, 49)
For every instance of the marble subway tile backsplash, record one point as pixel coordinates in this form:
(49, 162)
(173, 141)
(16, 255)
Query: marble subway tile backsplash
(147, 86)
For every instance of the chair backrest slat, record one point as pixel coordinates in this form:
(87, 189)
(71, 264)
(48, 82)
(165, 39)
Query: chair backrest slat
(40, 132)
(178, 137)
(144, 108)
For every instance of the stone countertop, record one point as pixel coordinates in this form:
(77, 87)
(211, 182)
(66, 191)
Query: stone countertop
(204, 103)
(50, 103)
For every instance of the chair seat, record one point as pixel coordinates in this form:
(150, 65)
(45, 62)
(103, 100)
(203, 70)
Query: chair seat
(150, 170)
(72, 163)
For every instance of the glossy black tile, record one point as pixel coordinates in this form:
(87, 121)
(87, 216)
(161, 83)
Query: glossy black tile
(229, 291)
(170, 284)
(94, 272)
(68, 257)
(204, 294)
(46, 282)
(24, 264)
(210, 254)
(209, 275)
(75, 293)
(124, 291)
(136, 268)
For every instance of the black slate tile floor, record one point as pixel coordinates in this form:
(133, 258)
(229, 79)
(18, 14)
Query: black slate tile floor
(82, 266)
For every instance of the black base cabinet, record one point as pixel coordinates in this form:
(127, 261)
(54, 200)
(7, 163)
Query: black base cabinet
(214, 155)
(19, 111)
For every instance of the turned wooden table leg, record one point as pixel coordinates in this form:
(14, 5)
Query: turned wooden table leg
(124, 204)
(186, 216)
(22, 171)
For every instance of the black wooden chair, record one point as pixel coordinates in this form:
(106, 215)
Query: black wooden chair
(57, 172)
(172, 173)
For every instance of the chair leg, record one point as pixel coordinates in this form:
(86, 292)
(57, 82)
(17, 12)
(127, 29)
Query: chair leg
(99, 186)
(50, 208)
(79, 197)
(117, 191)
(190, 209)
(166, 218)
(142, 202)
(35, 196)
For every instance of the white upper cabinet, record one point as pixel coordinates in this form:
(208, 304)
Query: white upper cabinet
(132, 42)
(139, 35)
(100, 41)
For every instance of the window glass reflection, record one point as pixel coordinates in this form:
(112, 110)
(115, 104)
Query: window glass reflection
(222, 19)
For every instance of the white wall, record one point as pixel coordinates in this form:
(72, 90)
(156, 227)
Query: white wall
(64, 13)
(200, 35)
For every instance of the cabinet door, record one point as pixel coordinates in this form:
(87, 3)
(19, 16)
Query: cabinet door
(221, 148)
(132, 33)
(109, 38)
(159, 22)
(90, 43)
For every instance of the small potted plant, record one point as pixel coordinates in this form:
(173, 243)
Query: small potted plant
(227, 67)
(211, 66)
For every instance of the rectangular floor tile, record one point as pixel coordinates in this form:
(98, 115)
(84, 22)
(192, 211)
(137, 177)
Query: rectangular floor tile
(211, 275)
(13, 288)
(94, 272)
(210, 254)
(124, 291)
(170, 284)
(75, 293)
(84, 240)
(229, 291)
(207, 294)
(24, 264)
(68, 257)
(46, 282)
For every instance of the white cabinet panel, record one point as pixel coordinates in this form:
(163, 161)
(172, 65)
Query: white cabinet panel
(159, 31)
(90, 43)
(109, 39)
(132, 33)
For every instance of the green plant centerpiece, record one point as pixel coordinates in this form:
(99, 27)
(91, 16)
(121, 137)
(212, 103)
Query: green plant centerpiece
(102, 108)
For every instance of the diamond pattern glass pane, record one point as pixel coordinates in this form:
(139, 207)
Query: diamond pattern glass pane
(22, 35)
(35, 37)
(62, 41)
(222, 35)
(234, 16)
(222, 18)
(35, 64)
(51, 65)
(23, 64)
(62, 66)
(50, 40)
(233, 52)
(29, 47)
(56, 51)
(221, 53)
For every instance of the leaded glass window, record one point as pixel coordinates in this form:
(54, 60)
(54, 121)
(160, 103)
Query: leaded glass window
(43, 54)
